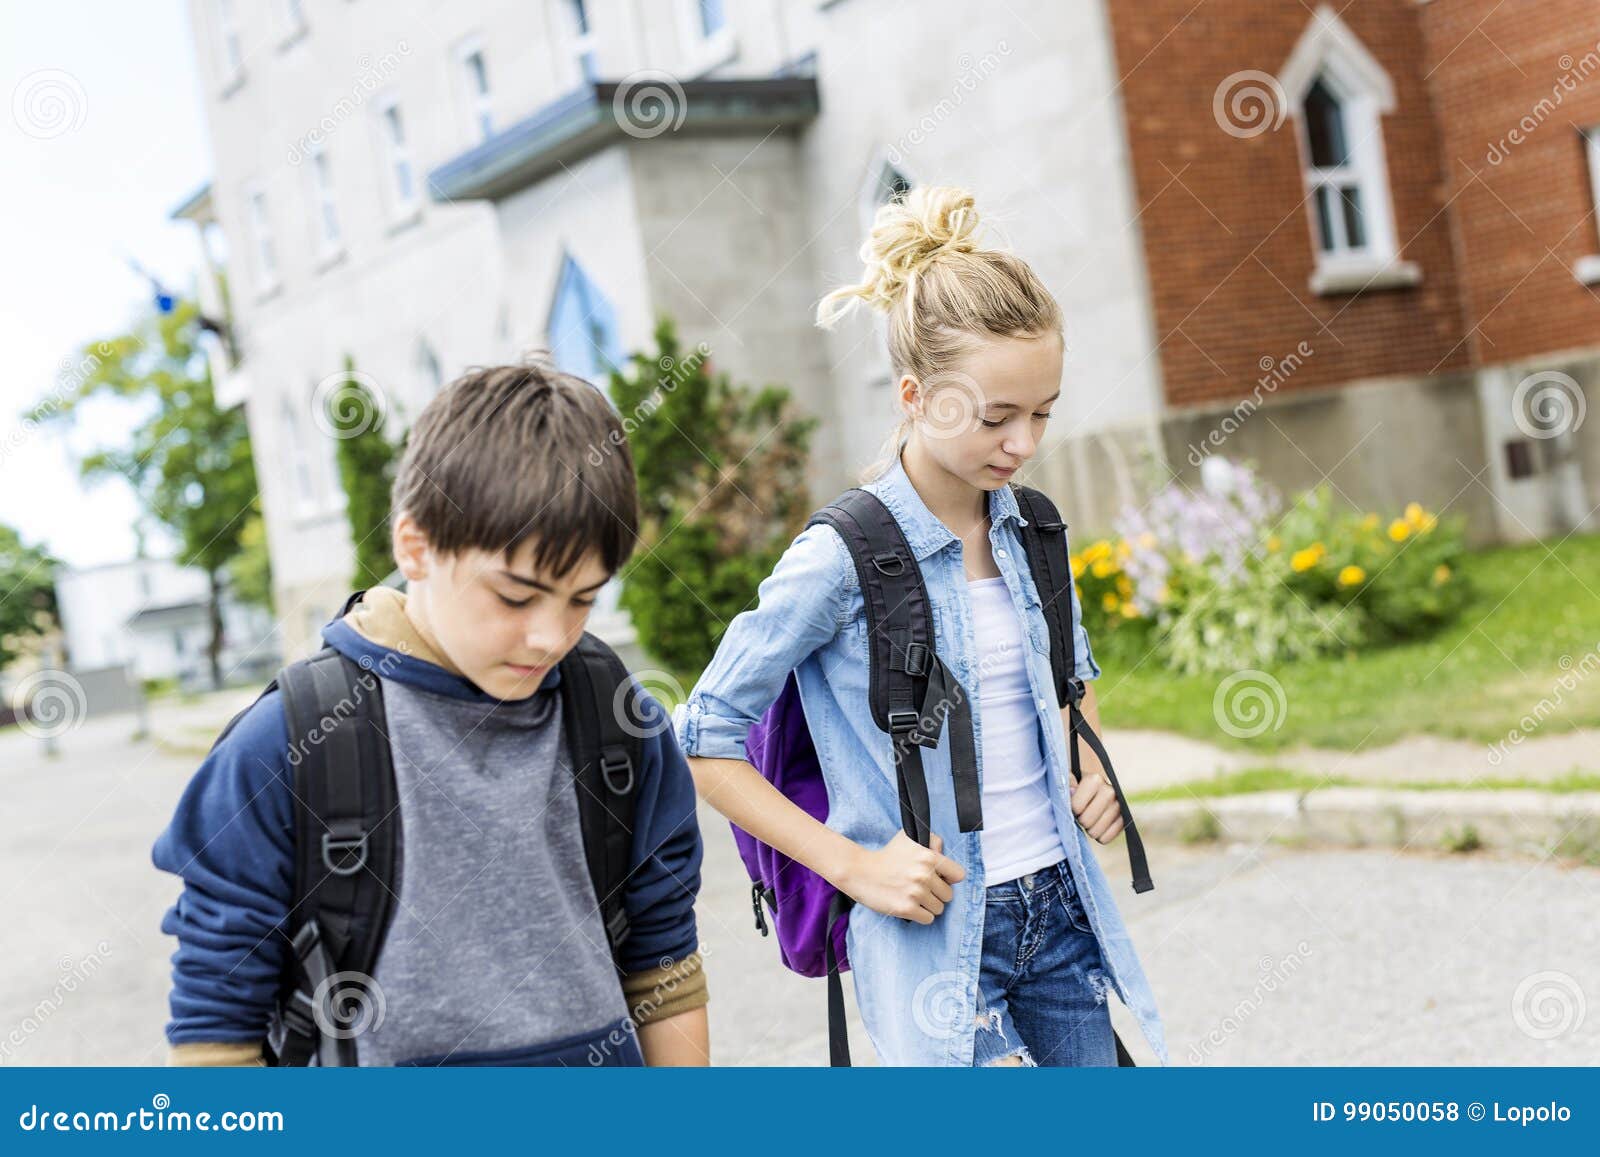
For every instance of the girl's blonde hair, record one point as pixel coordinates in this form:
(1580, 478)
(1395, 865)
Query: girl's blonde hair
(943, 295)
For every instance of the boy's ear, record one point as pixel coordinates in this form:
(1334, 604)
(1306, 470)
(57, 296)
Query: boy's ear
(413, 553)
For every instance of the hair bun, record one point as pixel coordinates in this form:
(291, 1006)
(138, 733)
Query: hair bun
(907, 235)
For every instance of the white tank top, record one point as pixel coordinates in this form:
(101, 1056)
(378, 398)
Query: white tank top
(1019, 828)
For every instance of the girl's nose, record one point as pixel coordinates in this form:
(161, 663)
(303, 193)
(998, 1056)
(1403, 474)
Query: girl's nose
(1020, 446)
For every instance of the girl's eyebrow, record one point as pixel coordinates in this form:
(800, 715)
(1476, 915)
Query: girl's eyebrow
(539, 586)
(1013, 405)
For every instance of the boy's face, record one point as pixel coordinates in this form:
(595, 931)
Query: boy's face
(503, 622)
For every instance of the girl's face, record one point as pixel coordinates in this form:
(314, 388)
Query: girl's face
(983, 418)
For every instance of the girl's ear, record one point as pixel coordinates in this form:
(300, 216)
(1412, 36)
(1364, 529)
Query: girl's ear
(910, 395)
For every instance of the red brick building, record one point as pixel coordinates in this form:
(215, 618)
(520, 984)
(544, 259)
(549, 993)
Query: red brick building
(1375, 223)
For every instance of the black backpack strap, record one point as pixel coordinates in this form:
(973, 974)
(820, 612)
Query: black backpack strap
(838, 1031)
(606, 745)
(1044, 540)
(912, 691)
(347, 830)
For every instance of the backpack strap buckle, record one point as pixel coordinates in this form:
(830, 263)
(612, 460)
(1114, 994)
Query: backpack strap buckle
(916, 659)
(903, 721)
(1075, 690)
(616, 768)
(889, 562)
(346, 839)
(1050, 527)
(617, 928)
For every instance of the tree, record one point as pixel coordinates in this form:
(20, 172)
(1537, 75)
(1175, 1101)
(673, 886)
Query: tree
(356, 413)
(27, 593)
(188, 460)
(721, 473)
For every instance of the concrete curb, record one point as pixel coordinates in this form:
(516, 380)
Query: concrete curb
(1529, 822)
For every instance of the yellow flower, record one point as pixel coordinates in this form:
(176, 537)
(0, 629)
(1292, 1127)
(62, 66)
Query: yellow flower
(1273, 543)
(1130, 610)
(1351, 575)
(1441, 574)
(1414, 514)
(1103, 568)
(1302, 560)
(1370, 522)
(1124, 587)
(1078, 566)
(1097, 551)
(1399, 530)
(1108, 601)
(1428, 523)
(1124, 551)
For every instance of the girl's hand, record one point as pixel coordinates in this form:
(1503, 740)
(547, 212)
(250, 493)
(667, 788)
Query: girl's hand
(1094, 802)
(903, 879)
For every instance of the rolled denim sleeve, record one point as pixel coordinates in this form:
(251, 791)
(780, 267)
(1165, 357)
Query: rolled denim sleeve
(799, 607)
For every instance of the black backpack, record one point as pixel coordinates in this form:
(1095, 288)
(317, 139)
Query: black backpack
(913, 694)
(347, 828)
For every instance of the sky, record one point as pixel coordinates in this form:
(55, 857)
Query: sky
(102, 136)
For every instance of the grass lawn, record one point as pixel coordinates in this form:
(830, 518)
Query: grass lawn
(1534, 618)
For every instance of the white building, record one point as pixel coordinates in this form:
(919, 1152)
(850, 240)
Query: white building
(152, 617)
(423, 187)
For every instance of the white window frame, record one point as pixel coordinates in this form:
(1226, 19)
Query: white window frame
(871, 189)
(230, 45)
(477, 101)
(264, 252)
(1587, 269)
(578, 20)
(293, 13)
(301, 477)
(702, 50)
(403, 204)
(327, 229)
(1328, 50)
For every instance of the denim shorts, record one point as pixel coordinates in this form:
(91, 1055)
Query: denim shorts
(1042, 989)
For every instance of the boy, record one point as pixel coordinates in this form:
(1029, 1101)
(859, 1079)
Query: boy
(494, 950)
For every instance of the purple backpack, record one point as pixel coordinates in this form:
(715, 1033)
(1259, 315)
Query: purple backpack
(912, 694)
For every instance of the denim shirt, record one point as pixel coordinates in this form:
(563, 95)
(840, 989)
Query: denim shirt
(916, 985)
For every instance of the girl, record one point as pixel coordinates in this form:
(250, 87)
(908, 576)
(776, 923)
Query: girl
(990, 947)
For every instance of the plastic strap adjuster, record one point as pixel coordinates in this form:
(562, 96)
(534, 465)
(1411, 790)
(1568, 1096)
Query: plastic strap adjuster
(345, 839)
(615, 762)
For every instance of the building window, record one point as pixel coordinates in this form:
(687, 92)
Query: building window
(583, 327)
(1339, 92)
(886, 182)
(583, 41)
(402, 178)
(330, 239)
(475, 76)
(303, 486)
(712, 19)
(228, 35)
(1588, 268)
(261, 237)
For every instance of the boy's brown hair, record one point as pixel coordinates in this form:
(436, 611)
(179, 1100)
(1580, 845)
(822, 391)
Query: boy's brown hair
(509, 452)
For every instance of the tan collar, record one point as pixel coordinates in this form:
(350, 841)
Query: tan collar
(380, 617)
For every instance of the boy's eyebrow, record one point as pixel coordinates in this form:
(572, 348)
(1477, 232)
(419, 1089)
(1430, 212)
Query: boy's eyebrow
(1014, 406)
(539, 586)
